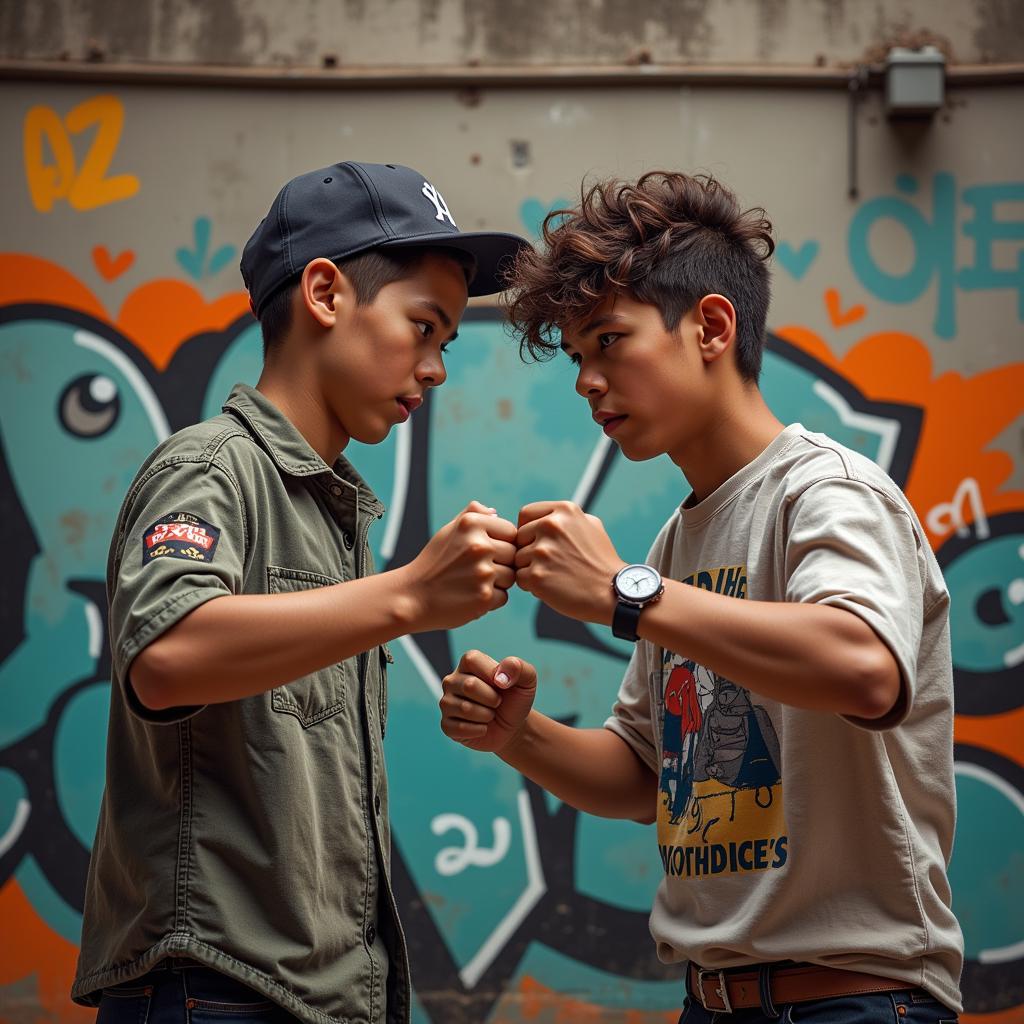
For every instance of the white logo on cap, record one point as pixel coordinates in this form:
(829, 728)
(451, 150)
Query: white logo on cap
(439, 204)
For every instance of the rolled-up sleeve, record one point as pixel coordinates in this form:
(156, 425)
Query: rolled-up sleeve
(181, 543)
(850, 546)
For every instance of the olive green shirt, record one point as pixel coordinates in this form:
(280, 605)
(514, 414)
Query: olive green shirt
(250, 835)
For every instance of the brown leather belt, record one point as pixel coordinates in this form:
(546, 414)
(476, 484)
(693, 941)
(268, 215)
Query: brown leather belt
(772, 985)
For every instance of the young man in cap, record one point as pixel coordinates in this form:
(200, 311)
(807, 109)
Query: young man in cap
(241, 864)
(786, 717)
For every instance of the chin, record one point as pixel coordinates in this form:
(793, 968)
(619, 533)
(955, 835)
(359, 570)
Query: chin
(373, 435)
(640, 453)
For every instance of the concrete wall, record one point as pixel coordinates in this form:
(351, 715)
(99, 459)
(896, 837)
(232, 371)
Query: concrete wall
(373, 32)
(896, 327)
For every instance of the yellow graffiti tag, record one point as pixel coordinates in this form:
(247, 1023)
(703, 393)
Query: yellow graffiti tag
(87, 187)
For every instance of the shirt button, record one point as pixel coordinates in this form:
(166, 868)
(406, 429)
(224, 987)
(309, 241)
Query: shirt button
(376, 803)
(348, 539)
(371, 934)
(336, 490)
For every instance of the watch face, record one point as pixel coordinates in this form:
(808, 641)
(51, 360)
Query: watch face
(637, 582)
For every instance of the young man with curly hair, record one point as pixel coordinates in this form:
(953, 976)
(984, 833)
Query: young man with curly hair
(786, 717)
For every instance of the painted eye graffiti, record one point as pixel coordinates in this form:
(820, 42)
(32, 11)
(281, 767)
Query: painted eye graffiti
(89, 406)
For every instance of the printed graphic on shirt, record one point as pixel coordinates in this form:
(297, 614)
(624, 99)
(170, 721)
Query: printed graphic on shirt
(720, 810)
(180, 535)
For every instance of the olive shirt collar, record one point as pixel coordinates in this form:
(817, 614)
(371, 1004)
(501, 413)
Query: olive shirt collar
(292, 453)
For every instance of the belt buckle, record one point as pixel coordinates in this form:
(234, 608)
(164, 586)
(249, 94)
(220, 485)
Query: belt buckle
(722, 991)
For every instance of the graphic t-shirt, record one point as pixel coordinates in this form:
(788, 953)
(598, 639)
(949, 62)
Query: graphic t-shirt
(793, 834)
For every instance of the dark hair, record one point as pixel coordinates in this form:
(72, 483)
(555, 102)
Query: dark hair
(668, 240)
(369, 272)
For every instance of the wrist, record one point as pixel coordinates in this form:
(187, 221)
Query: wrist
(408, 605)
(600, 597)
(606, 596)
(514, 750)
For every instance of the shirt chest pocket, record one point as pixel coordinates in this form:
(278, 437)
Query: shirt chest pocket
(320, 695)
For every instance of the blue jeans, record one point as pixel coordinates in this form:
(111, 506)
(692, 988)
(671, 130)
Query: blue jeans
(912, 1006)
(183, 992)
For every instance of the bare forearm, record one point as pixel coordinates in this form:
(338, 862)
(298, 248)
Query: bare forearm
(241, 645)
(807, 655)
(592, 770)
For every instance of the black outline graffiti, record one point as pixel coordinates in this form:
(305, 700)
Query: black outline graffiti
(984, 693)
(565, 919)
(580, 927)
(909, 417)
(991, 987)
(180, 389)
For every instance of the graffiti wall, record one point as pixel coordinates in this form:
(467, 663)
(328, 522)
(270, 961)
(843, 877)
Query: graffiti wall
(896, 328)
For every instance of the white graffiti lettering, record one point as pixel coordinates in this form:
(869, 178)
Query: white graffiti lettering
(949, 515)
(454, 859)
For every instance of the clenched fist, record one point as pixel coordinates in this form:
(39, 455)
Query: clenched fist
(486, 703)
(465, 570)
(567, 560)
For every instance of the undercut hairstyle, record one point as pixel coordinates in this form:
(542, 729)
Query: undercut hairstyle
(667, 240)
(369, 272)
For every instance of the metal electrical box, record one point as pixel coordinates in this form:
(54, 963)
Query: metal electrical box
(915, 82)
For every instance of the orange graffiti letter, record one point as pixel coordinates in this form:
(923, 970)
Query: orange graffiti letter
(91, 188)
(47, 182)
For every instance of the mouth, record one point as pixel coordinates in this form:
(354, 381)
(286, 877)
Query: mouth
(609, 421)
(408, 404)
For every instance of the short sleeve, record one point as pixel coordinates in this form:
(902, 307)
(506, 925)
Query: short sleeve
(181, 544)
(852, 547)
(631, 715)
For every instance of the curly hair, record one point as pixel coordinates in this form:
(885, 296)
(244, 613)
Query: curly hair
(667, 239)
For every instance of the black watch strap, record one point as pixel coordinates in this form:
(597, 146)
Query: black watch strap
(625, 620)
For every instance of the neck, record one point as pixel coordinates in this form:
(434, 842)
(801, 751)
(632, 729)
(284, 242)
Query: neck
(736, 434)
(304, 404)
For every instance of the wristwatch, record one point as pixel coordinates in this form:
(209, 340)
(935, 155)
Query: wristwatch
(635, 586)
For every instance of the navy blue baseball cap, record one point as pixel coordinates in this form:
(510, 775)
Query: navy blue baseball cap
(348, 208)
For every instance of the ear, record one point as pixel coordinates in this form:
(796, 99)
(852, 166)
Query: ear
(717, 316)
(324, 290)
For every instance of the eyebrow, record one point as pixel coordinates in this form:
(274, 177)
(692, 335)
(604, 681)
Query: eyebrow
(603, 321)
(439, 313)
(595, 324)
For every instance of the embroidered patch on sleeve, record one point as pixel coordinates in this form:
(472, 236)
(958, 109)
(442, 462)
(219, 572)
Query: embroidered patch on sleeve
(180, 535)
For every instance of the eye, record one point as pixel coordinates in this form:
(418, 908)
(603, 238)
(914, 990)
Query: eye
(425, 327)
(573, 358)
(89, 405)
(607, 340)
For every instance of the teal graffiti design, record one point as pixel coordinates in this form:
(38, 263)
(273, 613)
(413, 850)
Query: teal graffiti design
(986, 878)
(933, 243)
(985, 572)
(80, 409)
(532, 212)
(797, 261)
(985, 230)
(933, 239)
(194, 262)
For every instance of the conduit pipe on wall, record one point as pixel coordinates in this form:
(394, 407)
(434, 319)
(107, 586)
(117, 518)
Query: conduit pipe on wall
(462, 76)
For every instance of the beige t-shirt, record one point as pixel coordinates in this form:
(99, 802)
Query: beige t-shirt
(794, 834)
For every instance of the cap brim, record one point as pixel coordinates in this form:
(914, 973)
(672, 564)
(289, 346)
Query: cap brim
(493, 251)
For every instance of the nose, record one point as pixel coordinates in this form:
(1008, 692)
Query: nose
(590, 384)
(431, 372)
